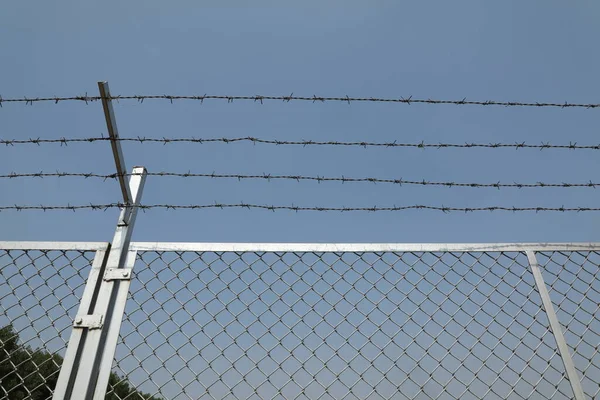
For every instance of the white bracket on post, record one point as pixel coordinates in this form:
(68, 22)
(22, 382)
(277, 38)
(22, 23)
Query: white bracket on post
(118, 274)
(93, 321)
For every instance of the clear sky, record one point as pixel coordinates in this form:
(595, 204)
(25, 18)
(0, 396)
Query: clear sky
(544, 51)
(510, 51)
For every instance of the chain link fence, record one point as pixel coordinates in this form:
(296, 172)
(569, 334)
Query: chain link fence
(252, 324)
(574, 286)
(257, 325)
(39, 297)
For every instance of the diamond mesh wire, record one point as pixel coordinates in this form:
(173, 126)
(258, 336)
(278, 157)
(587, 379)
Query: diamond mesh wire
(255, 325)
(573, 280)
(39, 297)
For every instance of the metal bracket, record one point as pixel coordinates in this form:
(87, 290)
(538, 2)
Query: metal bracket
(94, 321)
(118, 274)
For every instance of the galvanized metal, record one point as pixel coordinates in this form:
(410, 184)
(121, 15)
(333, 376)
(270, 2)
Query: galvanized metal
(271, 321)
(71, 246)
(557, 329)
(307, 247)
(363, 247)
(91, 352)
(113, 132)
(90, 321)
(117, 309)
(118, 274)
(313, 321)
(72, 359)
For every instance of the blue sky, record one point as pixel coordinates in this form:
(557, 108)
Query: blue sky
(509, 51)
(505, 51)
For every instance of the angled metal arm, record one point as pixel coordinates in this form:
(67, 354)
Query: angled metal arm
(113, 133)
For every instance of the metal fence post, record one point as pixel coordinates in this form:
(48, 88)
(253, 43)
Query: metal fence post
(122, 280)
(96, 329)
(70, 361)
(555, 326)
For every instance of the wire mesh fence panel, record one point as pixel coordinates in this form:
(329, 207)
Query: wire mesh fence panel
(40, 292)
(573, 279)
(305, 325)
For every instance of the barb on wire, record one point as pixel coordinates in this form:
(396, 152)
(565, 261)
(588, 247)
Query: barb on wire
(314, 99)
(298, 208)
(304, 143)
(298, 178)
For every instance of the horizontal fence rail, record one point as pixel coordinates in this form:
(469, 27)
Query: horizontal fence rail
(318, 321)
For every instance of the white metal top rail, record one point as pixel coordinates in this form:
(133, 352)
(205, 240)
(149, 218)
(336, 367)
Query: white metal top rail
(363, 247)
(308, 247)
(78, 246)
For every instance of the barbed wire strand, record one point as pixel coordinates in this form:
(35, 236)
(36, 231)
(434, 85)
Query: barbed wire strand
(314, 99)
(304, 143)
(299, 178)
(298, 208)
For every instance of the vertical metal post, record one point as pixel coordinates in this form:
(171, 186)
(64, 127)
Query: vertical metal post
(90, 357)
(556, 328)
(117, 310)
(72, 358)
